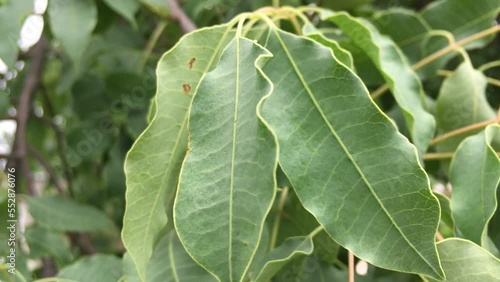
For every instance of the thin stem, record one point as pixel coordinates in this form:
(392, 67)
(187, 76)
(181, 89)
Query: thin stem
(296, 25)
(160, 27)
(442, 156)
(276, 3)
(450, 48)
(462, 130)
(277, 218)
(379, 91)
(340, 264)
(453, 47)
(492, 81)
(48, 168)
(489, 65)
(439, 236)
(316, 231)
(351, 266)
(178, 14)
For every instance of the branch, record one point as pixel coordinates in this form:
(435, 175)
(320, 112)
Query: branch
(180, 16)
(48, 168)
(462, 130)
(60, 139)
(20, 147)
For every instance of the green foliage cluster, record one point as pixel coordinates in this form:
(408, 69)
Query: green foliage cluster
(281, 141)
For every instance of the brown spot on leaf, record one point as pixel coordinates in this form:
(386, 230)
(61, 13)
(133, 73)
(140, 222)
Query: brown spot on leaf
(187, 88)
(191, 62)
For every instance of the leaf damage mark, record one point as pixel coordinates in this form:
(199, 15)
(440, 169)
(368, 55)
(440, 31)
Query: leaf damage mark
(191, 62)
(186, 88)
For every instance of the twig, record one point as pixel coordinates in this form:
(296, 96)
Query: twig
(439, 237)
(180, 16)
(60, 139)
(455, 46)
(462, 130)
(351, 266)
(442, 156)
(160, 27)
(50, 171)
(448, 49)
(83, 241)
(20, 147)
(492, 81)
(277, 219)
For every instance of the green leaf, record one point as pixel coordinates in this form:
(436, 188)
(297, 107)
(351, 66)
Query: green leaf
(100, 267)
(171, 263)
(464, 261)
(348, 164)
(72, 23)
(475, 175)
(291, 248)
(447, 225)
(153, 163)
(45, 243)
(46, 210)
(12, 16)
(126, 8)
(227, 183)
(406, 28)
(340, 53)
(129, 271)
(463, 18)
(402, 80)
(461, 102)
(159, 7)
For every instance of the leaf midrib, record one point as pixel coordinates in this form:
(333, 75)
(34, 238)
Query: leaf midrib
(171, 258)
(334, 133)
(233, 154)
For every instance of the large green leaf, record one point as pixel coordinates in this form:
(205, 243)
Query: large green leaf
(100, 267)
(402, 80)
(12, 15)
(464, 261)
(347, 162)
(461, 102)
(47, 210)
(153, 164)
(227, 183)
(291, 248)
(72, 23)
(126, 8)
(475, 175)
(46, 243)
(463, 18)
(171, 263)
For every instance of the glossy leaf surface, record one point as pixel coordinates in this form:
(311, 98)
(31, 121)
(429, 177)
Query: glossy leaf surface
(475, 175)
(170, 263)
(227, 182)
(291, 248)
(464, 261)
(461, 102)
(402, 80)
(348, 164)
(153, 164)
